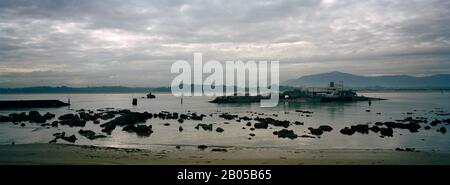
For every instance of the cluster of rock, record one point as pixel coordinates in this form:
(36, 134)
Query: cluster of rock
(263, 123)
(406, 149)
(127, 118)
(32, 117)
(228, 116)
(319, 131)
(129, 121)
(134, 122)
(284, 133)
(140, 130)
(386, 129)
(62, 135)
(91, 135)
(206, 127)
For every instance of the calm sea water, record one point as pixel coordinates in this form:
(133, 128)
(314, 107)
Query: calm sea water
(337, 115)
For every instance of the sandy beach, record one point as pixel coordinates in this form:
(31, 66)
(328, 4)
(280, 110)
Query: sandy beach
(62, 154)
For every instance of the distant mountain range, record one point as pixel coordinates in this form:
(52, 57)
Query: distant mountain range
(440, 82)
(64, 89)
(101, 89)
(350, 80)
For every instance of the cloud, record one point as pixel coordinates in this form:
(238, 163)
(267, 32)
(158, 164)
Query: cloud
(135, 42)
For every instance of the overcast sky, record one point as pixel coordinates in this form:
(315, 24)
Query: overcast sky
(134, 43)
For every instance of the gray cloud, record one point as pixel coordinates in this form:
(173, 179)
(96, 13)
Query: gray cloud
(112, 42)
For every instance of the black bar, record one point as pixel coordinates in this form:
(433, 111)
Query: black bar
(279, 174)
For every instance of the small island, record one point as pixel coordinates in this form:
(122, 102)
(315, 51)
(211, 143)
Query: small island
(332, 93)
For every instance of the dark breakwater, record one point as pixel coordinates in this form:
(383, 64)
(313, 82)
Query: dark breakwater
(32, 104)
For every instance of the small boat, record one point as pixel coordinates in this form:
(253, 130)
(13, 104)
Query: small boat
(150, 96)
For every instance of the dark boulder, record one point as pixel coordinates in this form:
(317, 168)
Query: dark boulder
(319, 131)
(362, 129)
(245, 118)
(386, 132)
(375, 129)
(219, 150)
(228, 116)
(207, 127)
(18, 117)
(412, 126)
(325, 128)
(35, 117)
(347, 131)
(307, 136)
(220, 130)
(435, 122)
(261, 125)
(143, 130)
(140, 130)
(184, 116)
(87, 117)
(271, 121)
(129, 128)
(91, 135)
(71, 120)
(194, 116)
(410, 149)
(315, 131)
(284, 133)
(443, 130)
(202, 147)
(70, 139)
(304, 111)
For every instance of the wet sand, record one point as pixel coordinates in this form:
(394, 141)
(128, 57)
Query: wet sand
(74, 154)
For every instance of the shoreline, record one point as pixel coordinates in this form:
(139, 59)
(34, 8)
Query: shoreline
(68, 154)
(169, 92)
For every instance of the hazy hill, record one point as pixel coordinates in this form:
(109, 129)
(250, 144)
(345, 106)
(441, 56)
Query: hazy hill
(64, 89)
(350, 80)
(105, 89)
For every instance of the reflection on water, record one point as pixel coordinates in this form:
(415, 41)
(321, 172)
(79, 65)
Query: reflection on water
(337, 115)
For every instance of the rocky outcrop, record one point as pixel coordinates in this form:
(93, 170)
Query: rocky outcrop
(319, 131)
(264, 122)
(71, 120)
(140, 130)
(284, 133)
(220, 130)
(126, 119)
(206, 127)
(91, 135)
(32, 117)
(62, 135)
